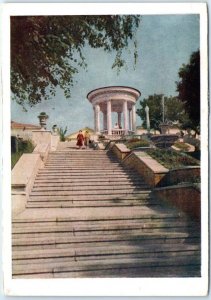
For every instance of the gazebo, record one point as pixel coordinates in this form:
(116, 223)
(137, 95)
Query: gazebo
(117, 99)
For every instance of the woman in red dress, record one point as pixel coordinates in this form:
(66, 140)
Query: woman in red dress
(80, 139)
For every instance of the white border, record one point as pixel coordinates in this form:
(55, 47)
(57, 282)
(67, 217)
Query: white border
(104, 287)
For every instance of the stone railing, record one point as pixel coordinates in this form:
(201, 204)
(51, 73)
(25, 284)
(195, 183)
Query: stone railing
(25, 170)
(120, 150)
(23, 176)
(118, 132)
(152, 171)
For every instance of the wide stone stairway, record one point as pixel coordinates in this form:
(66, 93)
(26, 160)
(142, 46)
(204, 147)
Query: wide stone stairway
(88, 216)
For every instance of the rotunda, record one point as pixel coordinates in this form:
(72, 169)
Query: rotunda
(114, 99)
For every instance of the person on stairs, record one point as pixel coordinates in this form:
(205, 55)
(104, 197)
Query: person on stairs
(80, 139)
(86, 139)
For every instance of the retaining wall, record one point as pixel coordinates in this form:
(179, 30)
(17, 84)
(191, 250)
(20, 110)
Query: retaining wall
(120, 150)
(185, 174)
(152, 171)
(185, 197)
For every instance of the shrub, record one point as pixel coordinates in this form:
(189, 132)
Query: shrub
(62, 133)
(23, 147)
(136, 143)
(133, 140)
(181, 146)
(172, 159)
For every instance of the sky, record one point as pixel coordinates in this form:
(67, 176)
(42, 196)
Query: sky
(165, 42)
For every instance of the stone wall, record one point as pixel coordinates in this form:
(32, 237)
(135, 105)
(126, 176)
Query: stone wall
(146, 166)
(185, 174)
(120, 150)
(41, 136)
(185, 197)
(23, 176)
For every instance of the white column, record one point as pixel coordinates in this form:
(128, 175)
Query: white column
(130, 120)
(104, 120)
(109, 122)
(119, 118)
(125, 113)
(97, 118)
(134, 118)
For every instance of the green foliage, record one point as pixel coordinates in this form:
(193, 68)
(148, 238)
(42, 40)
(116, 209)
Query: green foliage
(47, 51)
(189, 89)
(174, 111)
(181, 146)
(62, 133)
(23, 147)
(172, 159)
(137, 143)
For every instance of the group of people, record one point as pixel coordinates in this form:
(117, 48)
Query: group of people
(83, 140)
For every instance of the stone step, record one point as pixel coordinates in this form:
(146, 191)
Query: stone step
(85, 181)
(87, 186)
(91, 176)
(83, 165)
(79, 253)
(96, 214)
(83, 159)
(167, 271)
(82, 242)
(142, 196)
(82, 191)
(108, 264)
(84, 169)
(98, 231)
(87, 171)
(89, 226)
(87, 158)
(134, 235)
(81, 153)
(89, 203)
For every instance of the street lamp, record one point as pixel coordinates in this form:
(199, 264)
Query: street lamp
(147, 118)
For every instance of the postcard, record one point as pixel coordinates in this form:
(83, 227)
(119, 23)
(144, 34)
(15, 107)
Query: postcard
(105, 149)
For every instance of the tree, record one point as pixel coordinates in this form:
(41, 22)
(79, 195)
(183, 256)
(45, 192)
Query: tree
(174, 111)
(189, 89)
(46, 51)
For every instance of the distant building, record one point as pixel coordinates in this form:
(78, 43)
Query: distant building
(73, 136)
(23, 130)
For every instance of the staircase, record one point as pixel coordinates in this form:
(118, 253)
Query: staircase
(88, 216)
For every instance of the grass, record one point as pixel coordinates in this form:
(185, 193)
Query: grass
(181, 146)
(172, 159)
(136, 143)
(23, 147)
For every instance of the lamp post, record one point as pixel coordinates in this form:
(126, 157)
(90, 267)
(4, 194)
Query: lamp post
(163, 108)
(147, 118)
(164, 125)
